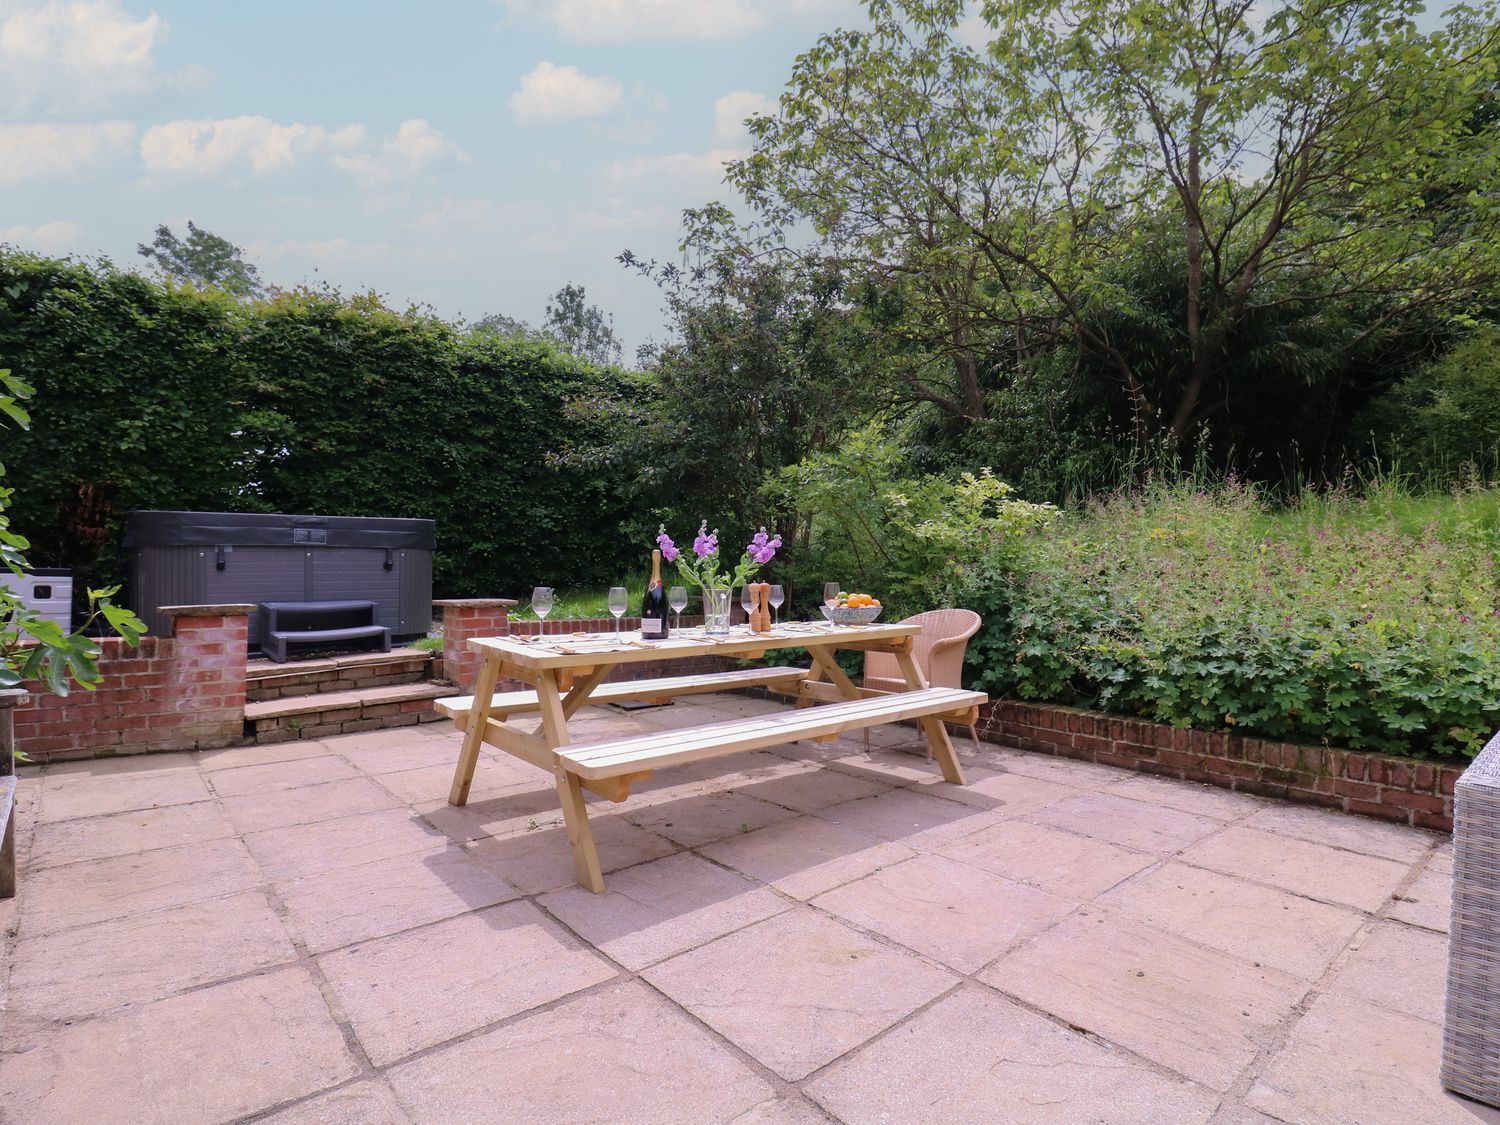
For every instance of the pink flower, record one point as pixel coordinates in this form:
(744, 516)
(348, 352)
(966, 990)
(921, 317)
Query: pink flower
(669, 550)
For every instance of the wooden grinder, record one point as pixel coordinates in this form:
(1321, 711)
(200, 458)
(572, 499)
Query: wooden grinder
(760, 607)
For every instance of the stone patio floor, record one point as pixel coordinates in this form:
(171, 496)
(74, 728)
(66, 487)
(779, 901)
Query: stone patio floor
(309, 933)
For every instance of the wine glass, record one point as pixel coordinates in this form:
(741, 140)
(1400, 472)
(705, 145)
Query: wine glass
(619, 601)
(745, 600)
(777, 597)
(541, 602)
(831, 593)
(677, 599)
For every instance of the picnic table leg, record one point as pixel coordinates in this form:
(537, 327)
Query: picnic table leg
(569, 791)
(479, 717)
(937, 733)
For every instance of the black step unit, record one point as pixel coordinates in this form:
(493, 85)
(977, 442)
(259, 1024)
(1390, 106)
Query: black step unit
(320, 626)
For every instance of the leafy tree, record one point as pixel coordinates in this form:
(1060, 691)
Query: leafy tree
(1284, 164)
(498, 324)
(584, 330)
(33, 648)
(202, 259)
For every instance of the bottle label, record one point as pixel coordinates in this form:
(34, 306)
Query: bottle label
(651, 626)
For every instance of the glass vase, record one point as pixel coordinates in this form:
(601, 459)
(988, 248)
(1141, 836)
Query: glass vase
(716, 610)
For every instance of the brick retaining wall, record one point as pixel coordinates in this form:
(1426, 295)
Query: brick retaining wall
(182, 692)
(1405, 790)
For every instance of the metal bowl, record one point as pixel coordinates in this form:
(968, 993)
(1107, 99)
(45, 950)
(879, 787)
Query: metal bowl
(851, 615)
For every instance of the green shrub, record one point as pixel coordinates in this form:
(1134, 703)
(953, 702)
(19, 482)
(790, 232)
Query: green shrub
(157, 396)
(1333, 622)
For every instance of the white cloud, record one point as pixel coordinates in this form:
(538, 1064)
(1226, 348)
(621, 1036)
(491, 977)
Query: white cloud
(48, 238)
(563, 93)
(731, 110)
(415, 147)
(34, 151)
(204, 147)
(319, 254)
(691, 175)
(625, 21)
(973, 32)
(75, 53)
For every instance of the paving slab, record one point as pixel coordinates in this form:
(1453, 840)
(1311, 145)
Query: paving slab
(892, 767)
(705, 817)
(368, 1102)
(960, 915)
(1061, 863)
(1339, 830)
(1402, 968)
(1064, 771)
(237, 756)
(1428, 902)
(912, 819)
(1314, 870)
(353, 904)
(811, 788)
(219, 1053)
(1348, 1062)
(658, 909)
(495, 814)
(618, 1054)
(62, 774)
(122, 886)
(305, 849)
(405, 748)
(100, 795)
(1153, 828)
(432, 783)
(1254, 923)
(282, 808)
(799, 990)
(806, 856)
(274, 776)
(975, 1058)
(422, 987)
(1198, 1012)
(101, 837)
(142, 957)
(1012, 794)
(539, 860)
(1188, 796)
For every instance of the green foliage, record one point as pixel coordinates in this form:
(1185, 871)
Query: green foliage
(202, 259)
(1443, 421)
(581, 329)
(1359, 621)
(154, 396)
(904, 538)
(34, 649)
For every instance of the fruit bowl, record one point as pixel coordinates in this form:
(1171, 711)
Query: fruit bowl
(851, 615)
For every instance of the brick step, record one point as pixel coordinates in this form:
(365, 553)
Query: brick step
(267, 681)
(343, 712)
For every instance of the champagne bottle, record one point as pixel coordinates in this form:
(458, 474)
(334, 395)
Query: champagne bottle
(654, 604)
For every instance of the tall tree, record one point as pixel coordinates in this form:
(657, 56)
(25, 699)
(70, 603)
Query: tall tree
(586, 331)
(202, 259)
(1284, 162)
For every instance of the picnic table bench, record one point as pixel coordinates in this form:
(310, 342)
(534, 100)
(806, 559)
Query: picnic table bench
(568, 672)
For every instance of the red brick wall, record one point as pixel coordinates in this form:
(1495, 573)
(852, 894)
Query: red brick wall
(463, 621)
(1400, 789)
(182, 692)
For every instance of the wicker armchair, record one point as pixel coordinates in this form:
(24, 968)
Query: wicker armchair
(939, 650)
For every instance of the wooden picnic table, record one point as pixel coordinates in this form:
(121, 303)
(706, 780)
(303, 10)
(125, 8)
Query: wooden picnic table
(565, 672)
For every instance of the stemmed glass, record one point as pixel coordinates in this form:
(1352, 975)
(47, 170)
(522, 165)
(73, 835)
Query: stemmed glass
(677, 599)
(831, 593)
(541, 602)
(778, 596)
(619, 601)
(745, 599)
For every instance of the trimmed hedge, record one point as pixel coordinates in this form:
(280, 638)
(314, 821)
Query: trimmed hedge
(156, 396)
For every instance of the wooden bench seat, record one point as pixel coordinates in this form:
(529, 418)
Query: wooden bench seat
(506, 703)
(673, 747)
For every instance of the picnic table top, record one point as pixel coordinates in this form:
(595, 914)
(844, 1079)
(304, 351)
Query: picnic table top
(574, 650)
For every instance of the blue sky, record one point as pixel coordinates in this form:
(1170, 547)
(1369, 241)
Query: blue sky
(470, 155)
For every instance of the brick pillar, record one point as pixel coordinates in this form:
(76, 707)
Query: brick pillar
(463, 620)
(210, 658)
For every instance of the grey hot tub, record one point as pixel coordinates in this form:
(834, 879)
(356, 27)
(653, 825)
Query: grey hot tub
(204, 558)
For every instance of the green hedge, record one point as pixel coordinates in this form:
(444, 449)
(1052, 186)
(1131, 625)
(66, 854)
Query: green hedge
(154, 396)
(1363, 622)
